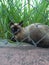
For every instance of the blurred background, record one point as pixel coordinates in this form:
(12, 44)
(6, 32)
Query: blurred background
(30, 11)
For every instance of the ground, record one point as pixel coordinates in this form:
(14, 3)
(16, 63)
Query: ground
(24, 55)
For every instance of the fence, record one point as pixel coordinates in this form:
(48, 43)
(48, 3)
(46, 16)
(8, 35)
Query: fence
(31, 11)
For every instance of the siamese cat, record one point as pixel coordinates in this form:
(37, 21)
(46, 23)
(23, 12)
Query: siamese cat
(36, 34)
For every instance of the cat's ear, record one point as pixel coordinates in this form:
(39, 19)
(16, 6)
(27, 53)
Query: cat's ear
(21, 23)
(11, 23)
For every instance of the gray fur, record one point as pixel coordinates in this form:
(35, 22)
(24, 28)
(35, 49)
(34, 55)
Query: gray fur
(35, 33)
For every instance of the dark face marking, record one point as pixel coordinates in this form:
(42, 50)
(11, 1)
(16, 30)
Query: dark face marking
(15, 29)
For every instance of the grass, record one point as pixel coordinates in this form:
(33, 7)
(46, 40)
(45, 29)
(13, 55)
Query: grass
(17, 10)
